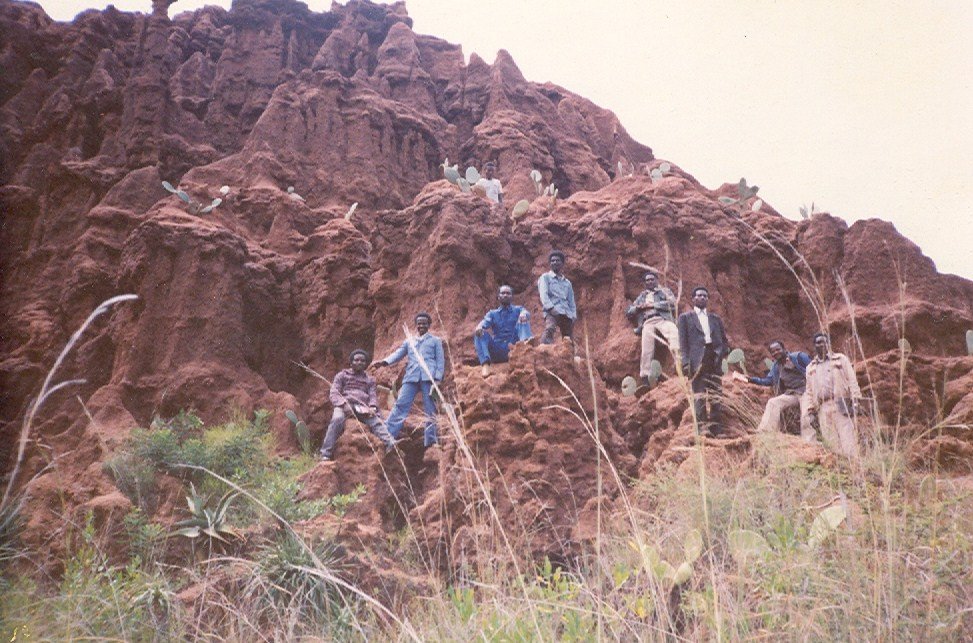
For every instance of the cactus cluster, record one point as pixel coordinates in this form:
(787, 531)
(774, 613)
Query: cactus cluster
(197, 207)
(538, 181)
(657, 173)
(807, 213)
(300, 431)
(294, 195)
(744, 193)
(520, 209)
(666, 572)
(465, 183)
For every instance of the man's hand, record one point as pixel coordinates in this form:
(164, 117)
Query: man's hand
(377, 364)
(349, 409)
(479, 331)
(812, 418)
(739, 377)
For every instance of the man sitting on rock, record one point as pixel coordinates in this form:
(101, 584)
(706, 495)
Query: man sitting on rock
(788, 380)
(353, 395)
(653, 312)
(510, 324)
(557, 300)
(833, 398)
(426, 365)
(491, 186)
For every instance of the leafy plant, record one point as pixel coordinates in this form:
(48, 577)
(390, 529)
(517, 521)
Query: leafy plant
(629, 386)
(737, 357)
(145, 538)
(655, 372)
(203, 521)
(472, 175)
(197, 207)
(342, 502)
(807, 213)
(463, 601)
(746, 545)
(300, 430)
(826, 523)
(969, 342)
(450, 172)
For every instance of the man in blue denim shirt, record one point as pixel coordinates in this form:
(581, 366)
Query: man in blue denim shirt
(417, 378)
(510, 324)
(557, 300)
(787, 378)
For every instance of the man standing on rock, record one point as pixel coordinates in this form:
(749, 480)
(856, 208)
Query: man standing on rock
(491, 186)
(557, 300)
(787, 378)
(702, 347)
(653, 312)
(510, 324)
(833, 398)
(426, 365)
(353, 395)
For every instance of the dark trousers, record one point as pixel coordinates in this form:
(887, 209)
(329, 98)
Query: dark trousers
(707, 386)
(556, 322)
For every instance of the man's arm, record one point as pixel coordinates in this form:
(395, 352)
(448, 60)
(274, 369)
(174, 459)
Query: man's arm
(499, 192)
(725, 342)
(372, 393)
(633, 310)
(485, 324)
(397, 354)
(856, 392)
(768, 380)
(683, 327)
(542, 291)
(337, 388)
(440, 360)
(572, 307)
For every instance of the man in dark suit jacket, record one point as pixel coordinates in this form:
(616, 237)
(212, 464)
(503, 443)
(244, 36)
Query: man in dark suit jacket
(702, 347)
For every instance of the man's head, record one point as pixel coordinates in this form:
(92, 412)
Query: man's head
(423, 321)
(821, 344)
(556, 261)
(651, 280)
(359, 360)
(700, 297)
(489, 169)
(777, 350)
(505, 295)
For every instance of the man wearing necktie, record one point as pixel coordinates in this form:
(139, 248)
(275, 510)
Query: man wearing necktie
(702, 347)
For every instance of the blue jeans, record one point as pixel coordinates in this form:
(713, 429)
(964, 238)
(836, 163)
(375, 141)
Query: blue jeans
(403, 405)
(489, 349)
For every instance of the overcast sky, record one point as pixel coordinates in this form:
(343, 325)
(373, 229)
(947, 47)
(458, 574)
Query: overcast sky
(863, 106)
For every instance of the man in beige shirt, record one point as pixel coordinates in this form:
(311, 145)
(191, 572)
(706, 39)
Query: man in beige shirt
(832, 398)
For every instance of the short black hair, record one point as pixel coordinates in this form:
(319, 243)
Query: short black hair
(423, 314)
(359, 351)
(650, 272)
(556, 253)
(490, 164)
(698, 288)
(816, 335)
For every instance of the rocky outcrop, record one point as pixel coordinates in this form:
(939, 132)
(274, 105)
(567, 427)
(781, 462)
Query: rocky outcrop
(351, 106)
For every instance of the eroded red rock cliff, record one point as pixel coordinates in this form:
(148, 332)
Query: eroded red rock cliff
(353, 106)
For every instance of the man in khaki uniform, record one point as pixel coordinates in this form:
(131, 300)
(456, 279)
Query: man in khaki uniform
(653, 312)
(832, 398)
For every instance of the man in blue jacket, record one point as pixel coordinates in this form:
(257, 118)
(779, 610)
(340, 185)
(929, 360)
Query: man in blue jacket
(500, 328)
(787, 378)
(419, 377)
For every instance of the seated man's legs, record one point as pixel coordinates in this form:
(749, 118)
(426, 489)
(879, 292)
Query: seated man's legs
(772, 417)
(401, 409)
(489, 349)
(377, 427)
(431, 434)
(335, 428)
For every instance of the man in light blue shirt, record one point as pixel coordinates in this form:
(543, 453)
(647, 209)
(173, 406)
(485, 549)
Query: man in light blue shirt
(419, 377)
(557, 300)
(500, 328)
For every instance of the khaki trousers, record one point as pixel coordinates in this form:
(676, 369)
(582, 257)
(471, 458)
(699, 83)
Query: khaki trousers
(838, 430)
(774, 411)
(670, 337)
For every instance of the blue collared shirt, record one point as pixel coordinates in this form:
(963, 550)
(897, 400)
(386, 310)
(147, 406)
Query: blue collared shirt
(430, 348)
(557, 294)
(799, 359)
(503, 322)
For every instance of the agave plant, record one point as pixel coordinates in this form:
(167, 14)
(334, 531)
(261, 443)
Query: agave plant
(197, 207)
(204, 521)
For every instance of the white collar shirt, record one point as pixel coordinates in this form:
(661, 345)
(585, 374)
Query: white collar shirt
(703, 317)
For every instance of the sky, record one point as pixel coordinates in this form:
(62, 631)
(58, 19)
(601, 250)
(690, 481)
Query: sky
(864, 108)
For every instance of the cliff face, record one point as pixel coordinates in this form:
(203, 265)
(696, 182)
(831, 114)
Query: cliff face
(352, 106)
